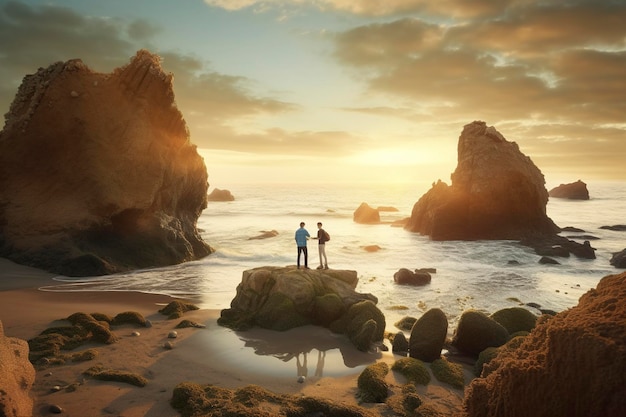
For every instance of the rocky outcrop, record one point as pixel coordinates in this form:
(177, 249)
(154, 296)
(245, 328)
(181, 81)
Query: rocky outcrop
(17, 377)
(572, 191)
(366, 214)
(97, 172)
(281, 298)
(496, 193)
(220, 195)
(618, 260)
(571, 364)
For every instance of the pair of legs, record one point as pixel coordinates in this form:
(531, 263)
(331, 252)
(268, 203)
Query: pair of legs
(322, 250)
(303, 250)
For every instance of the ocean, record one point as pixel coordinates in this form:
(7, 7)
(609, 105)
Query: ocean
(469, 274)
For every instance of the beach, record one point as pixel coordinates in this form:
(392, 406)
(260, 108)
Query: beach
(198, 354)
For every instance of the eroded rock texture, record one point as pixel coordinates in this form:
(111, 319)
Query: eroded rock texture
(17, 377)
(496, 193)
(570, 365)
(97, 172)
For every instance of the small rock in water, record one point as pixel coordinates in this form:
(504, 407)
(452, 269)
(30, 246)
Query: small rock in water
(172, 335)
(301, 379)
(148, 323)
(55, 409)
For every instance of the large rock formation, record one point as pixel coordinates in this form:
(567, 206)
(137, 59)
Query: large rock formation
(280, 298)
(17, 377)
(97, 172)
(573, 191)
(496, 193)
(571, 364)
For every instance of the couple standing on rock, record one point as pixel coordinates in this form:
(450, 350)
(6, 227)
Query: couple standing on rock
(302, 235)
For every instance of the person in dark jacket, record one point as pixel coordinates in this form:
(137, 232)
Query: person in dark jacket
(322, 238)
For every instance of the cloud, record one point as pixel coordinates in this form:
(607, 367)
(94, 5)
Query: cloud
(33, 37)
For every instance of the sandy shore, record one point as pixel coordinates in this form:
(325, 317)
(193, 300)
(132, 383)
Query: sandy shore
(211, 355)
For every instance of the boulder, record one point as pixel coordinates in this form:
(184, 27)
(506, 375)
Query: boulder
(366, 214)
(476, 332)
(281, 298)
(618, 260)
(220, 195)
(496, 193)
(555, 245)
(428, 336)
(571, 364)
(572, 191)
(407, 277)
(515, 319)
(17, 377)
(400, 344)
(97, 172)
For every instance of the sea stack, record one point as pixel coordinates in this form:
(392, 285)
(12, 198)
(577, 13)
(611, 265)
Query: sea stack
(496, 193)
(97, 172)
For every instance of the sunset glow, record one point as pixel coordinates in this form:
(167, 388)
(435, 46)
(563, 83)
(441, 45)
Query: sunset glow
(354, 90)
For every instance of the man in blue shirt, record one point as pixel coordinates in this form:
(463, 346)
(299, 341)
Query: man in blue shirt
(302, 235)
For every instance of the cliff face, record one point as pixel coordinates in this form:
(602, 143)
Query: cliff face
(569, 365)
(496, 193)
(97, 172)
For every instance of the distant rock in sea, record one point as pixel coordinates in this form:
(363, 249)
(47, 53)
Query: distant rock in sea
(497, 193)
(366, 214)
(572, 191)
(220, 195)
(97, 172)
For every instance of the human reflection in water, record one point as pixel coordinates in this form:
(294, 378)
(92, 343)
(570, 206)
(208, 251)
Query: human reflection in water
(299, 342)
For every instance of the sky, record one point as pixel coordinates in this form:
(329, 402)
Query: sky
(356, 91)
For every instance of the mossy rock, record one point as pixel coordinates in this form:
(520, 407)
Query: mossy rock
(188, 323)
(372, 385)
(400, 344)
(129, 317)
(235, 319)
(177, 308)
(404, 404)
(102, 374)
(83, 356)
(485, 357)
(405, 323)
(279, 313)
(328, 308)
(428, 335)
(449, 373)
(102, 317)
(515, 319)
(365, 324)
(413, 370)
(476, 331)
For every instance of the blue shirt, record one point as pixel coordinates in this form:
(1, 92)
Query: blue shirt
(301, 235)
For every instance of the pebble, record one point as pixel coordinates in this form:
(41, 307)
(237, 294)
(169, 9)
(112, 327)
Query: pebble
(148, 323)
(172, 335)
(168, 345)
(301, 379)
(55, 409)
(135, 333)
(55, 388)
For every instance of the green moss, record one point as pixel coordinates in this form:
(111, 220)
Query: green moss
(515, 319)
(235, 319)
(328, 308)
(188, 323)
(449, 373)
(102, 317)
(372, 385)
(129, 317)
(177, 308)
(485, 357)
(413, 370)
(102, 374)
(83, 356)
(279, 313)
(365, 324)
(252, 395)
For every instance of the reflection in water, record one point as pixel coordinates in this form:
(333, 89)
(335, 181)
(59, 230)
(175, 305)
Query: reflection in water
(296, 344)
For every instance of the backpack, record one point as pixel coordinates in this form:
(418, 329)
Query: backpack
(326, 235)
